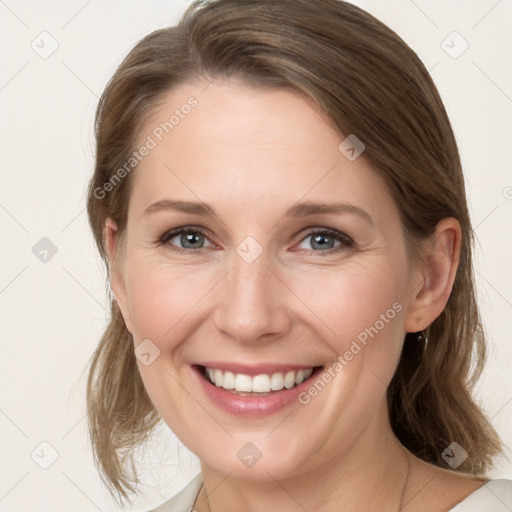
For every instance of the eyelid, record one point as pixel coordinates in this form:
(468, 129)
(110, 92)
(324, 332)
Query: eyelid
(346, 241)
(171, 233)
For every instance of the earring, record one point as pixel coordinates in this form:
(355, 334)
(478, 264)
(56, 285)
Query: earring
(422, 339)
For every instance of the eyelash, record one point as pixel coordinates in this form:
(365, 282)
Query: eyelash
(346, 241)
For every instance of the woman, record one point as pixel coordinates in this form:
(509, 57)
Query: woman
(279, 200)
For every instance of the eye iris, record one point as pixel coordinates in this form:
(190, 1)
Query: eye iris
(321, 240)
(191, 238)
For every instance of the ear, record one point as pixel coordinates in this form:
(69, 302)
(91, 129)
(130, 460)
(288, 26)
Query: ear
(433, 281)
(117, 282)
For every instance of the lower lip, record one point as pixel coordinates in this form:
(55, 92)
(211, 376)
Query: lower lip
(253, 405)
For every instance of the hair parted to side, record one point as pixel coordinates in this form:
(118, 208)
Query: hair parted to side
(368, 82)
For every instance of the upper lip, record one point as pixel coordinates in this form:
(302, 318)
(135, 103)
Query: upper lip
(254, 368)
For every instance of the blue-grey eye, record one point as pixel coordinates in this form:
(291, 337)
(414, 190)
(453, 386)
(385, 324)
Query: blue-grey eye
(185, 239)
(190, 240)
(320, 241)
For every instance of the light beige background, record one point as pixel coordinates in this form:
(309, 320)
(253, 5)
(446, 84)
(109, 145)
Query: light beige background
(53, 312)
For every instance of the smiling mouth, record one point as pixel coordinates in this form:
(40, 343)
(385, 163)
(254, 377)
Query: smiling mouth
(264, 384)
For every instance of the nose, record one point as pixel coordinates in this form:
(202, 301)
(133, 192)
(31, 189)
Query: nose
(252, 304)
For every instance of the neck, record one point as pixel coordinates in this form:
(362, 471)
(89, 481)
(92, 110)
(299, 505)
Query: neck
(370, 475)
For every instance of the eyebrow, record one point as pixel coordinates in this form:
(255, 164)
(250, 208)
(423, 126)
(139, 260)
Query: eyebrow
(303, 209)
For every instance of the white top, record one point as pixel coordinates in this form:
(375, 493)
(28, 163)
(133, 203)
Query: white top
(494, 496)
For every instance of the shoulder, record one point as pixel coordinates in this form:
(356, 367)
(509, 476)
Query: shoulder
(495, 495)
(432, 489)
(183, 500)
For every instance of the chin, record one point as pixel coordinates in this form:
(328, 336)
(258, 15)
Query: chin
(254, 457)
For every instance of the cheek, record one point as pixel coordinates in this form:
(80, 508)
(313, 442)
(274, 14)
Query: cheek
(162, 299)
(161, 303)
(351, 303)
(361, 312)
(361, 315)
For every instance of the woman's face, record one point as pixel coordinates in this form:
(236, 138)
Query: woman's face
(262, 284)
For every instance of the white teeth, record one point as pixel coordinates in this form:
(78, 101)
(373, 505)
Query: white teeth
(228, 381)
(242, 382)
(289, 380)
(276, 381)
(263, 383)
(218, 378)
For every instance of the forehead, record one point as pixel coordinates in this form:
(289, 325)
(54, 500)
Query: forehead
(231, 114)
(232, 141)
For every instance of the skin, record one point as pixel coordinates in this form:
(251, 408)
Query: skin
(251, 154)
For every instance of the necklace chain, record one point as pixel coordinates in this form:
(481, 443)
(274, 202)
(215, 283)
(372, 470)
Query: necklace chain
(203, 488)
(404, 487)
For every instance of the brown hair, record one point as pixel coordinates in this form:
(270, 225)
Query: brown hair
(368, 82)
